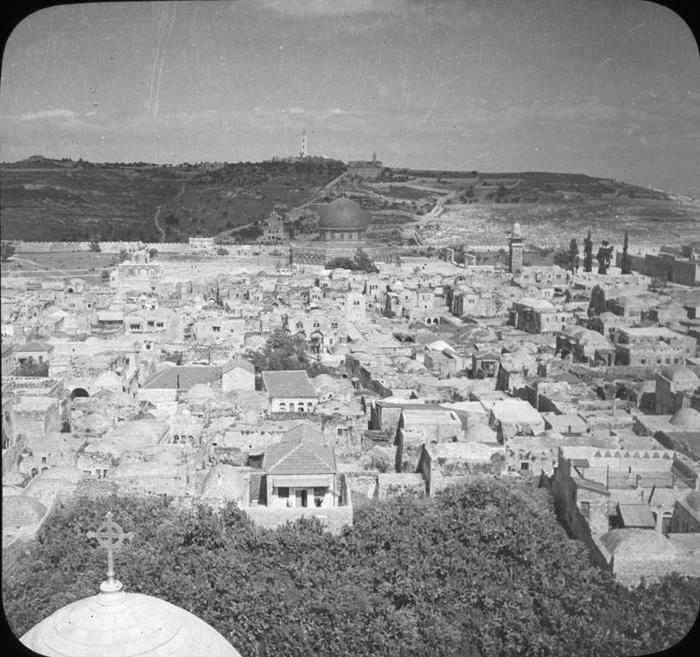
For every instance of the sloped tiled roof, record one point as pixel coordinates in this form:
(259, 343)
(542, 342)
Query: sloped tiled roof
(34, 346)
(299, 456)
(240, 363)
(288, 384)
(183, 377)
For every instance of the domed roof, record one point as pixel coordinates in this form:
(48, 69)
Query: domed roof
(200, 391)
(343, 214)
(681, 375)
(632, 543)
(692, 499)
(21, 510)
(686, 417)
(125, 624)
(109, 381)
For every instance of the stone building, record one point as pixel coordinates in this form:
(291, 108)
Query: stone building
(539, 316)
(676, 387)
(652, 346)
(290, 391)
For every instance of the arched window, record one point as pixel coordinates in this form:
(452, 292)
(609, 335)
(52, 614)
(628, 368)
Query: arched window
(283, 407)
(300, 407)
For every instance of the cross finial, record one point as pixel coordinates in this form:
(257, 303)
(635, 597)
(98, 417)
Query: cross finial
(110, 535)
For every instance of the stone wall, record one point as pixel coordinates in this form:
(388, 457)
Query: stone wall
(334, 518)
(119, 246)
(629, 572)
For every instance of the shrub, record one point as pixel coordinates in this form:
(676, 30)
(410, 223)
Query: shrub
(481, 570)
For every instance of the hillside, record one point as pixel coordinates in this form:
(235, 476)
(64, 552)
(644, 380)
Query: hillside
(476, 208)
(78, 200)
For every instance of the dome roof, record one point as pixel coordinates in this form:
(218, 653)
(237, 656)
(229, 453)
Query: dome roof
(109, 381)
(21, 511)
(681, 375)
(692, 499)
(200, 391)
(631, 543)
(125, 624)
(343, 214)
(686, 417)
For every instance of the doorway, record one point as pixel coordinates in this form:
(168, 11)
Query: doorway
(302, 497)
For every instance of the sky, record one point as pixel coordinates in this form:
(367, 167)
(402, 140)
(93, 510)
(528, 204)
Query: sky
(605, 88)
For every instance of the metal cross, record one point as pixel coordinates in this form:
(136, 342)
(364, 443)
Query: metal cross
(110, 535)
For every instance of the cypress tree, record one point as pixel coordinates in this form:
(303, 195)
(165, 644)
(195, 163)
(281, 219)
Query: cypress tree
(588, 252)
(626, 265)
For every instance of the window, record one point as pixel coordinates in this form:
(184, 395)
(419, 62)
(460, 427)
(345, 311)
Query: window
(585, 509)
(524, 465)
(319, 494)
(160, 324)
(666, 523)
(151, 323)
(283, 492)
(216, 329)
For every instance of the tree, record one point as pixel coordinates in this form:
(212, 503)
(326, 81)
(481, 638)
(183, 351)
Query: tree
(413, 576)
(7, 250)
(32, 368)
(152, 253)
(588, 253)
(282, 351)
(95, 246)
(604, 256)
(626, 263)
(222, 251)
(574, 258)
(123, 255)
(364, 263)
(562, 258)
(597, 305)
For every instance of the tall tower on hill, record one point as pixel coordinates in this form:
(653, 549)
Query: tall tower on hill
(516, 245)
(304, 146)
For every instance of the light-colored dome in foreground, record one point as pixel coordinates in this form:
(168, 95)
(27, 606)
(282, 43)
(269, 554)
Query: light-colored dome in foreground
(119, 624)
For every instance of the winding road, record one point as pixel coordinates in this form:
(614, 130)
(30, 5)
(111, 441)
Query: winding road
(159, 228)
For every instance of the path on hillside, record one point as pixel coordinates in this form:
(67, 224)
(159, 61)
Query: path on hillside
(31, 262)
(156, 217)
(157, 224)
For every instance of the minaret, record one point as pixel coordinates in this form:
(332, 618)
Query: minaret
(303, 151)
(516, 246)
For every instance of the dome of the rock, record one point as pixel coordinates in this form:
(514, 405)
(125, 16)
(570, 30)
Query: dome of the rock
(119, 624)
(343, 219)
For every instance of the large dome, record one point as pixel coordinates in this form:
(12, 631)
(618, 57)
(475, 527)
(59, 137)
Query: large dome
(118, 624)
(343, 214)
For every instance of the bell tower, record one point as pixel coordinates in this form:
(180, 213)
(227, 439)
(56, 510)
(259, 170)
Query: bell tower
(304, 145)
(516, 245)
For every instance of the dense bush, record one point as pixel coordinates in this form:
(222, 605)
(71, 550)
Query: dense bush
(481, 570)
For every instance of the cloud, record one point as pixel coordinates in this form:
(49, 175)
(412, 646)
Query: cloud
(295, 110)
(58, 113)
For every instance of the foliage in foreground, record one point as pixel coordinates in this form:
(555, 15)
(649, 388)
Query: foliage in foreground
(481, 570)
